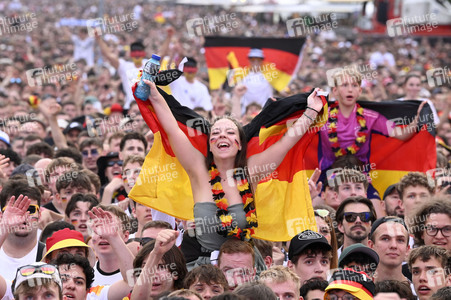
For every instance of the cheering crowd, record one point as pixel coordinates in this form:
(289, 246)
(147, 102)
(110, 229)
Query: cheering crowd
(72, 149)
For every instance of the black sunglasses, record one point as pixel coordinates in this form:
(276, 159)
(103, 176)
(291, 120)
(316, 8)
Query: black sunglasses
(113, 162)
(145, 240)
(352, 216)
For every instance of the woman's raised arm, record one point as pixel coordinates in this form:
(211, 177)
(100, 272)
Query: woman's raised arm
(187, 154)
(271, 158)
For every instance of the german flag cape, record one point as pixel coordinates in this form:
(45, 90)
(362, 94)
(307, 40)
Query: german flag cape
(282, 200)
(283, 203)
(390, 157)
(226, 59)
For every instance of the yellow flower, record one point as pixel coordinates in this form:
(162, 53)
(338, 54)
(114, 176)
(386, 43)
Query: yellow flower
(217, 186)
(332, 125)
(252, 218)
(243, 187)
(361, 139)
(333, 140)
(352, 150)
(360, 110)
(226, 219)
(362, 123)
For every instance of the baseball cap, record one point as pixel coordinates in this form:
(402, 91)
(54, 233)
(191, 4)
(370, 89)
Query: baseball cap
(116, 107)
(361, 250)
(356, 283)
(22, 169)
(305, 239)
(390, 190)
(383, 220)
(258, 53)
(72, 126)
(65, 238)
(4, 137)
(36, 273)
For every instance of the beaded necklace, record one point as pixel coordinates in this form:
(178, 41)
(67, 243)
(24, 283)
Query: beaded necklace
(229, 225)
(333, 136)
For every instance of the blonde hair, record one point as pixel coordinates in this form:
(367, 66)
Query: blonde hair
(348, 71)
(279, 274)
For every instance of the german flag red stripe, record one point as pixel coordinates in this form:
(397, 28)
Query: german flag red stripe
(282, 54)
(391, 157)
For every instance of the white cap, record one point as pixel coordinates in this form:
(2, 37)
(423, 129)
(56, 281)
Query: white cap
(256, 53)
(4, 137)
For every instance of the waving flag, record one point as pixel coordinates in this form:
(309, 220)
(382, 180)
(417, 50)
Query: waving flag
(391, 157)
(282, 201)
(224, 54)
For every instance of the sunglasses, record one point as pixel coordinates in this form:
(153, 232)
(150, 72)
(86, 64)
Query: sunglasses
(115, 162)
(93, 152)
(28, 270)
(32, 209)
(15, 80)
(352, 217)
(145, 240)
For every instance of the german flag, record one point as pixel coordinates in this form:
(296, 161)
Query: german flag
(282, 58)
(282, 199)
(392, 158)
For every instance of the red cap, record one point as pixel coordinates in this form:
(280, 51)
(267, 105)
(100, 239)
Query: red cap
(63, 234)
(116, 107)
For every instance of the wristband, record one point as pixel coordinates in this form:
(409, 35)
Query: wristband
(308, 117)
(312, 109)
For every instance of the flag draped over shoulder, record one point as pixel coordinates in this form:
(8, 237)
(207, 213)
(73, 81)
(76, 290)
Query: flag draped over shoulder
(390, 157)
(394, 158)
(224, 54)
(283, 203)
(282, 200)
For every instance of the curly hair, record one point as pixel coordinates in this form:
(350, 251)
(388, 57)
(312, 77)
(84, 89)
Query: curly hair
(414, 179)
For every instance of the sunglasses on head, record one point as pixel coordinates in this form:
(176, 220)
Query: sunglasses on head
(115, 162)
(27, 271)
(32, 209)
(30, 270)
(352, 217)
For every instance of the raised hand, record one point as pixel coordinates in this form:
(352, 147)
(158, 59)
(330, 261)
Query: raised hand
(314, 101)
(314, 187)
(4, 162)
(155, 96)
(165, 240)
(49, 108)
(15, 212)
(103, 223)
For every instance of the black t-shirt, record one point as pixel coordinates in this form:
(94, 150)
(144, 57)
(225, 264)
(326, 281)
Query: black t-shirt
(51, 207)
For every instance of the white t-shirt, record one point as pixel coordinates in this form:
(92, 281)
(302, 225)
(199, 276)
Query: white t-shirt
(9, 265)
(103, 278)
(84, 49)
(191, 94)
(379, 59)
(258, 90)
(98, 293)
(434, 111)
(128, 74)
